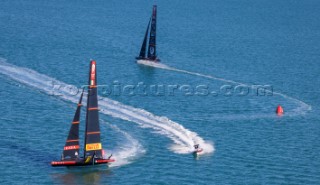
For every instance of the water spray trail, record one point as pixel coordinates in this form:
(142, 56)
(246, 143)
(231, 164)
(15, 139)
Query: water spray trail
(181, 136)
(302, 106)
(126, 152)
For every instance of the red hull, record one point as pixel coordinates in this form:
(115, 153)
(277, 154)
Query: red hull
(81, 163)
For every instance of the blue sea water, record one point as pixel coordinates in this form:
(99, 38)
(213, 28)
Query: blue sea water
(219, 44)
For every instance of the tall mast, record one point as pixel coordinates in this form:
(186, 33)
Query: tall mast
(152, 40)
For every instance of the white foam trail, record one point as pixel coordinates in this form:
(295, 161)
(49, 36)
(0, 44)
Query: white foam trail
(176, 132)
(125, 152)
(301, 109)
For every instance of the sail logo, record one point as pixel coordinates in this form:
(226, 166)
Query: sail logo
(93, 73)
(93, 146)
(151, 50)
(73, 147)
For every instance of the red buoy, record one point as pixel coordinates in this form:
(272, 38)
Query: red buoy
(279, 110)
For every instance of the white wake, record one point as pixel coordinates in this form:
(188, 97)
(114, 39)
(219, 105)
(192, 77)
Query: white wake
(302, 107)
(127, 151)
(183, 138)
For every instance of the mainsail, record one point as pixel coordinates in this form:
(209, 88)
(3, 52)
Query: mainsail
(92, 135)
(152, 40)
(71, 148)
(144, 44)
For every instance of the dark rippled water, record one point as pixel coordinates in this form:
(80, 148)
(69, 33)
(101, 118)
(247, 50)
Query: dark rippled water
(210, 43)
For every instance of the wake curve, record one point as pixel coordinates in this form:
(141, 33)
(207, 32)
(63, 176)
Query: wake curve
(183, 138)
(302, 107)
(126, 152)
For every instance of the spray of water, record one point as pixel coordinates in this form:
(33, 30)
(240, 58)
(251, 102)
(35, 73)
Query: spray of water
(127, 151)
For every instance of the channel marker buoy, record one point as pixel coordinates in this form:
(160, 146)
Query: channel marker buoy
(279, 110)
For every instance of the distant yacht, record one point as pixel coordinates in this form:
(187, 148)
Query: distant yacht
(151, 56)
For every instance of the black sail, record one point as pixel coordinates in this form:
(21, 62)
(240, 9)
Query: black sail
(71, 148)
(92, 134)
(144, 44)
(152, 40)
